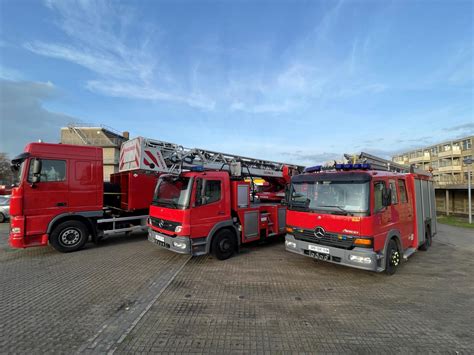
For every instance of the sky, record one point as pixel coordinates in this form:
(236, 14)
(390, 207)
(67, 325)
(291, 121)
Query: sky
(293, 81)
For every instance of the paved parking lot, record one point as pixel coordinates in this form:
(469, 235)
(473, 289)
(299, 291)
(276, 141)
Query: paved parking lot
(126, 295)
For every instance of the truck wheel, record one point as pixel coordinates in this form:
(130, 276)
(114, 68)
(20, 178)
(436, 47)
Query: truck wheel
(2, 217)
(69, 236)
(392, 258)
(223, 244)
(426, 245)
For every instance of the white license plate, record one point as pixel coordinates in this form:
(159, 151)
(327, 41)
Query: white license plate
(159, 237)
(318, 249)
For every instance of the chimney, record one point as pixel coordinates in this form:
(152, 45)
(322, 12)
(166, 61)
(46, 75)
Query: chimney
(126, 135)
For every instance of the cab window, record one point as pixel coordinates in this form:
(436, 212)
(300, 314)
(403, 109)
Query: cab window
(403, 191)
(207, 191)
(393, 187)
(212, 191)
(51, 170)
(378, 195)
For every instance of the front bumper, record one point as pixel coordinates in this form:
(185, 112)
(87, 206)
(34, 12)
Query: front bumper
(371, 259)
(180, 245)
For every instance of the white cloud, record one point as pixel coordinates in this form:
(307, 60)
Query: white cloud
(111, 41)
(120, 89)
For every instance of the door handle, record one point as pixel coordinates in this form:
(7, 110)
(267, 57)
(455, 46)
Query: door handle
(61, 204)
(221, 213)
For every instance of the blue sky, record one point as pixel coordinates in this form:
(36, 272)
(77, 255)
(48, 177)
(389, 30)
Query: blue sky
(296, 81)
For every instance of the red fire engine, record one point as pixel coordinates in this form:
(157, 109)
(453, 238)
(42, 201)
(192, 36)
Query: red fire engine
(369, 213)
(61, 197)
(203, 203)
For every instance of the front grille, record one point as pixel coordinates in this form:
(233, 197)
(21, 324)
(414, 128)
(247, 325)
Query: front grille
(329, 239)
(164, 224)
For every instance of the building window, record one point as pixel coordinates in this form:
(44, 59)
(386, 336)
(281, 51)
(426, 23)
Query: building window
(464, 158)
(466, 144)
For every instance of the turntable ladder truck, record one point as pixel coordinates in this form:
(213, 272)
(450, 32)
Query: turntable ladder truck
(204, 202)
(368, 213)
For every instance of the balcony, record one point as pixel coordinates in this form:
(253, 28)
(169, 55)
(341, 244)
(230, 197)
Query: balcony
(450, 153)
(450, 168)
(420, 159)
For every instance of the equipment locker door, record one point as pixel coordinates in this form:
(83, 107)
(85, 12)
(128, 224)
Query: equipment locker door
(420, 213)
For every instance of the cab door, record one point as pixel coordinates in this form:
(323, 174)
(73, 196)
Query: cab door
(46, 198)
(381, 214)
(208, 205)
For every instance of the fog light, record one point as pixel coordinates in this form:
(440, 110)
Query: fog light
(179, 245)
(360, 259)
(16, 230)
(178, 229)
(290, 244)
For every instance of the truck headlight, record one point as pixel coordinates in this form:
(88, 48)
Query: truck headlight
(16, 230)
(179, 245)
(178, 229)
(290, 244)
(360, 259)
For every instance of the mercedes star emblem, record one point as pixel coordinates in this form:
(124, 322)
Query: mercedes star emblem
(319, 232)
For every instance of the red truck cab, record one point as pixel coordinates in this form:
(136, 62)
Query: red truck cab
(53, 184)
(365, 219)
(199, 212)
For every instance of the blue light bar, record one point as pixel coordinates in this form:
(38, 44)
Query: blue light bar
(339, 166)
(197, 168)
(347, 166)
(313, 169)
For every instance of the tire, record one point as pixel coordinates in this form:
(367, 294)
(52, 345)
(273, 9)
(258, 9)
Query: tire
(69, 236)
(223, 244)
(393, 258)
(2, 217)
(428, 240)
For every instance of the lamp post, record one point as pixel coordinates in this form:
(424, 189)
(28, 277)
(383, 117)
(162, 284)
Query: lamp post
(468, 162)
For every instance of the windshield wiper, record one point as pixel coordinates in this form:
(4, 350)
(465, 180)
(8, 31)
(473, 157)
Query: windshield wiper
(339, 208)
(165, 203)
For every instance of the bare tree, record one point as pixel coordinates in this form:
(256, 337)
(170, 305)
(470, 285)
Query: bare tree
(6, 175)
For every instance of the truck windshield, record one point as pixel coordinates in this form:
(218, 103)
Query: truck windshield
(173, 192)
(335, 197)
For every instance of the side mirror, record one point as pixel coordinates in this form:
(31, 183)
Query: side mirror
(37, 167)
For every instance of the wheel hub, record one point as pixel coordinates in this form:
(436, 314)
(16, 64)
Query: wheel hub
(70, 237)
(225, 245)
(395, 258)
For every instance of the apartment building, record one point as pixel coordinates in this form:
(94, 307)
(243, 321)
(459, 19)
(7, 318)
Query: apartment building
(446, 162)
(99, 136)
